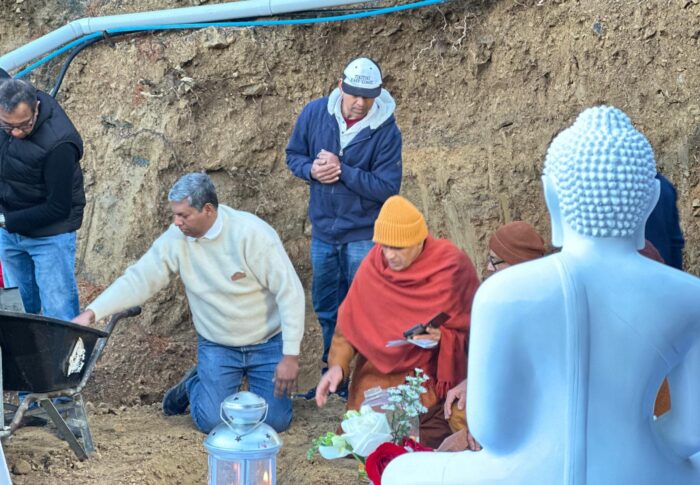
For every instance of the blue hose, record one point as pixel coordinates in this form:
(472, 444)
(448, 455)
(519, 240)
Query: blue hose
(56, 53)
(253, 23)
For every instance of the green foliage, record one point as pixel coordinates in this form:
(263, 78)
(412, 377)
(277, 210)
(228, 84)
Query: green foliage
(323, 440)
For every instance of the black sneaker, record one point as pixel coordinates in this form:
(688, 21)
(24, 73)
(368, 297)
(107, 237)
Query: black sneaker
(342, 391)
(176, 400)
(308, 395)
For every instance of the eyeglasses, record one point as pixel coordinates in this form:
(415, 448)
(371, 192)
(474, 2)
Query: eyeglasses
(26, 126)
(495, 262)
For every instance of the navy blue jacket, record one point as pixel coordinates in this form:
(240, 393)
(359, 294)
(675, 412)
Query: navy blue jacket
(345, 211)
(663, 228)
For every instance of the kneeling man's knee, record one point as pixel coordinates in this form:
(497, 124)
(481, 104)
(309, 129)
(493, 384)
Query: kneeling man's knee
(279, 420)
(204, 420)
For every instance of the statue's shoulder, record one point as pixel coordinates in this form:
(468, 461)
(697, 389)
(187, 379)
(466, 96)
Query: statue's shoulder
(523, 296)
(684, 286)
(535, 281)
(669, 282)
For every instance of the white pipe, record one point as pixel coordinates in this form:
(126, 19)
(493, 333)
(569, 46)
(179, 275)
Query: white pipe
(203, 13)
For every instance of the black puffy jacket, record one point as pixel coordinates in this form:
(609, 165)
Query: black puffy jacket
(22, 167)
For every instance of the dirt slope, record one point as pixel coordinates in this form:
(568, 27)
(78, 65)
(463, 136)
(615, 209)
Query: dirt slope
(481, 88)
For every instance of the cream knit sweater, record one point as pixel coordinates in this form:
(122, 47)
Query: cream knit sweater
(241, 286)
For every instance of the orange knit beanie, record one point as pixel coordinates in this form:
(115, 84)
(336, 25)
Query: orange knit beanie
(399, 224)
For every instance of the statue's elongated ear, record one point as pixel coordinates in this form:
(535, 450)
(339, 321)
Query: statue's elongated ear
(552, 200)
(639, 236)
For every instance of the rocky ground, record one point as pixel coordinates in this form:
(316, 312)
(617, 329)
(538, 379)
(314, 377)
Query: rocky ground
(138, 445)
(481, 88)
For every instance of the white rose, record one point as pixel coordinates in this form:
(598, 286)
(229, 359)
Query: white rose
(338, 449)
(366, 431)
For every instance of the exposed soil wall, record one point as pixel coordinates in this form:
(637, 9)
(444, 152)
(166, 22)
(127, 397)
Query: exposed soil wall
(481, 88)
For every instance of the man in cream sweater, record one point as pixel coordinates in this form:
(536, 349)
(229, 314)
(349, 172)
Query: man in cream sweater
(246, 300)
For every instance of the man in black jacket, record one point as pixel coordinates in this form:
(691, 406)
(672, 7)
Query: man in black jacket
(41, 199)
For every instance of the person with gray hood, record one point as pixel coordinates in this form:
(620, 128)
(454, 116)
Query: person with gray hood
(347, 147)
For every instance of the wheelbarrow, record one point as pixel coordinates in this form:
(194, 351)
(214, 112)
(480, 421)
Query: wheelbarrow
(51, 360)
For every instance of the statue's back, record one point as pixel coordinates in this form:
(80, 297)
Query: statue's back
(567, 363)
(643, 322)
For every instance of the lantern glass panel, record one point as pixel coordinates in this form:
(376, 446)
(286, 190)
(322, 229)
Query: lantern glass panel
(261, 472)
(226, 472)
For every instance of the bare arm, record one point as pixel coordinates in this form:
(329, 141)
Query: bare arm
(340, 356)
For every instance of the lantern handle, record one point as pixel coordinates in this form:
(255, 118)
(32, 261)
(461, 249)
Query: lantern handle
(257, 425)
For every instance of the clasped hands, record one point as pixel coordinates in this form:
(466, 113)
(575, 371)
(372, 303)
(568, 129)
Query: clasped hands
(326, 167)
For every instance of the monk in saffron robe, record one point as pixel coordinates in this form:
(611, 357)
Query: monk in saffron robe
(408, 277)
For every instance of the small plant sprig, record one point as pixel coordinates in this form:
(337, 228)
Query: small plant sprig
(404, 404)
(323, 440)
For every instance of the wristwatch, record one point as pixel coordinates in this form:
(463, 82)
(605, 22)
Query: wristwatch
(2, 220)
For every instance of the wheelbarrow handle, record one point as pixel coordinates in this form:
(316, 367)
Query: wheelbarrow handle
(129, 312)
(100, 345)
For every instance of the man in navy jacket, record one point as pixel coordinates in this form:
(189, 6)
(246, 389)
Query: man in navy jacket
(663, 228)
(348, 148)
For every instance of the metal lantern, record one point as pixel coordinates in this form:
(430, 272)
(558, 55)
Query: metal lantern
(243, 449)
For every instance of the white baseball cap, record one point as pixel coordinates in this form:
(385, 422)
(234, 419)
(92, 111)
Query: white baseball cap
(362, 77)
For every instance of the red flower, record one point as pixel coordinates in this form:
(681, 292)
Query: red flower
(379, 459)
(414, 446)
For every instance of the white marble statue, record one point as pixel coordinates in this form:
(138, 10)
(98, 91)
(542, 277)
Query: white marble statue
(4, 471)
(567, 352)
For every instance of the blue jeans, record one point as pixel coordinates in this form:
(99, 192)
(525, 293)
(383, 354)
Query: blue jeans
(220, 370)
(44, 270)
(334, 266)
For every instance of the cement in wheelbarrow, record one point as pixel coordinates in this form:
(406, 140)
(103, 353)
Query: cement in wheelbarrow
(41, 354)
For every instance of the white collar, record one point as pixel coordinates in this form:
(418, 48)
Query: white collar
(359, 125)
(384, 107)
(213, 231)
